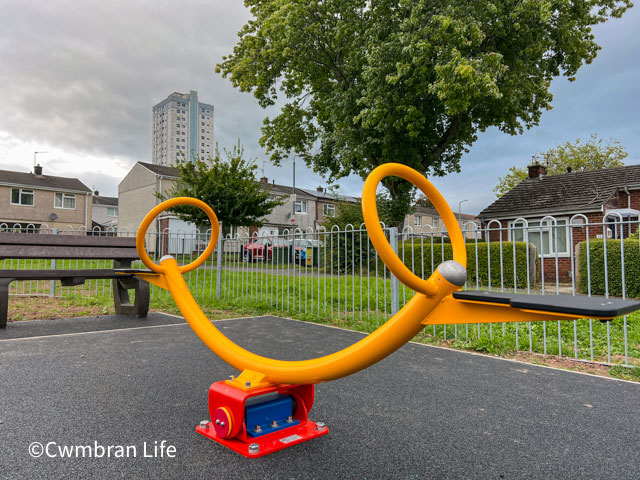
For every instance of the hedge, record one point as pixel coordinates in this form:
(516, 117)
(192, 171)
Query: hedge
(614, 267)
(414, 255)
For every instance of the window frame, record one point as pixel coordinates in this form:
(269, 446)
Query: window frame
(62, 199)
(112, 209)
(301, 203)
(548, 229)
(325, 210)
(20, 190)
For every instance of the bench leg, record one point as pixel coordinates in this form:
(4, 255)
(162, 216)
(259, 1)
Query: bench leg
(122, 302)
(121, 299)
(4, 301)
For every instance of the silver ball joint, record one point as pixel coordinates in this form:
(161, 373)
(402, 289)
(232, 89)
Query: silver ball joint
(320, 426)
(453, 272)
(204, 424)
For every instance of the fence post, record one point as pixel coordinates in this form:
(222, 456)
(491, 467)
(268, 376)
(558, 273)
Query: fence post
(52, 283)
(219, 266)
(395, 290)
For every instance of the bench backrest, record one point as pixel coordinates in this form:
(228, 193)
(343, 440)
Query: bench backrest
(35, 245)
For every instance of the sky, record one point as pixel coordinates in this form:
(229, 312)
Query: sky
(78, 80)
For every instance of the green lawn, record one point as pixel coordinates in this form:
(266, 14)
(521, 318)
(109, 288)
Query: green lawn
(363, 304)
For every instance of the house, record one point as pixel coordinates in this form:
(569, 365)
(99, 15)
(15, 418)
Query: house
(36, 201)
(428, 220)
(104, 213)
(296, 211)
(599, 198)
(327, 203)
(137, 195)
(306, 211)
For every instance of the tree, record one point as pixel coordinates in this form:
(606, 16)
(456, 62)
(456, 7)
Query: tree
(369, 82)
(228, 186)
(580, 157)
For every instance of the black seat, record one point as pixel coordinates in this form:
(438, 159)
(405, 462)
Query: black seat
(593, 307)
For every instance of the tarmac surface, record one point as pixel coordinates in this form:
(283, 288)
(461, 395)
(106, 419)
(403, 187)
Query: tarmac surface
(423, 412)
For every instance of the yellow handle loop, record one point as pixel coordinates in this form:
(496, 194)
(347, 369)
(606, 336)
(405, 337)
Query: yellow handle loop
(157, 210)
(372, 222)
(393, 334)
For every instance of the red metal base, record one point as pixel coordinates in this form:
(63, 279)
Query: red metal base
(267, 444)
(228, 426)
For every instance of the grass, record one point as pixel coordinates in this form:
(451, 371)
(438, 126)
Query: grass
(361, 304)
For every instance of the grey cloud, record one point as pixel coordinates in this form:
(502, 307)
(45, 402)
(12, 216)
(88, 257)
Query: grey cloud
(83, 76)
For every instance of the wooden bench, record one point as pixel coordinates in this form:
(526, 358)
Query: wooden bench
(71, 247)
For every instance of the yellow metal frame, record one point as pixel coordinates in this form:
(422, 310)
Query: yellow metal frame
(432, 303)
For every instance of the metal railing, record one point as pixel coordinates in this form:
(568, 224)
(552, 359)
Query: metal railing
(335, 275)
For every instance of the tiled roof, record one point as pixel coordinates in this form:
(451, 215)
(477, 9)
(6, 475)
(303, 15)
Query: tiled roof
(330, 196)
(285, 190)
(434, 213)
(161, 169)
(110, 201)
(8, 177)
(570, 192)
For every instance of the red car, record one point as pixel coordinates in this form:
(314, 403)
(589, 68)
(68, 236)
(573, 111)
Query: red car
(261, 249)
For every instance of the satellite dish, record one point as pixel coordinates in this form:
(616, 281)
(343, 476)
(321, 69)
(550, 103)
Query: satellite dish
(53, 216)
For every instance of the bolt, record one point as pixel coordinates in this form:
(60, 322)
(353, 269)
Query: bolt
(222, 424)
(231, 377)
(289, 419)
(258, 429)
(217, 421)
(254, 448)
(320, 426)
(204, 424)
(274, 424)
(247, 384)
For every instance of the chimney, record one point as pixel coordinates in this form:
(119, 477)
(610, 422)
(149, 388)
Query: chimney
(37, 170)
(320, 189)
(537, 171)
(264, 180)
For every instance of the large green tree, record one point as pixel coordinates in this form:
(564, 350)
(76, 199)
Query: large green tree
(410, 81)
(580, 157)
(228, 185)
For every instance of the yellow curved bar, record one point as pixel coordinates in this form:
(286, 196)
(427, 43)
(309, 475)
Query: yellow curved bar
(157, 210)
(398, 330)
(371, 220)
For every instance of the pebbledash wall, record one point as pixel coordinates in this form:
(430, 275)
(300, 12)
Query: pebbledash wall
(577, 230)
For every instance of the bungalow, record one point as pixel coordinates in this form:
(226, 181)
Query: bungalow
(552, 212)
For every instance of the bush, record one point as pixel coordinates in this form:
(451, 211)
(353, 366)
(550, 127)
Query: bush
(614, 267)
(418, 254)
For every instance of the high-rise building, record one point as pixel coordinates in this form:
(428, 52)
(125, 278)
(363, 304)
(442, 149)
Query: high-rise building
(182, 128)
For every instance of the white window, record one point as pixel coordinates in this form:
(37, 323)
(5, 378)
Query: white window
(417, 220)
(329, 210)
(548, 238)
(301, 206)
(20, 196)
(112, 211)
(435, 222)
(65, 200)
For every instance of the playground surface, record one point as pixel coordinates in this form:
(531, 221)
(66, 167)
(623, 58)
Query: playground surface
(423, 412)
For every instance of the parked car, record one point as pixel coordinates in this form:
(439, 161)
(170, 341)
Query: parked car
(261, 249)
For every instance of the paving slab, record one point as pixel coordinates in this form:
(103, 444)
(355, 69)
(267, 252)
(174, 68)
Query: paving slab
(423, 412)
